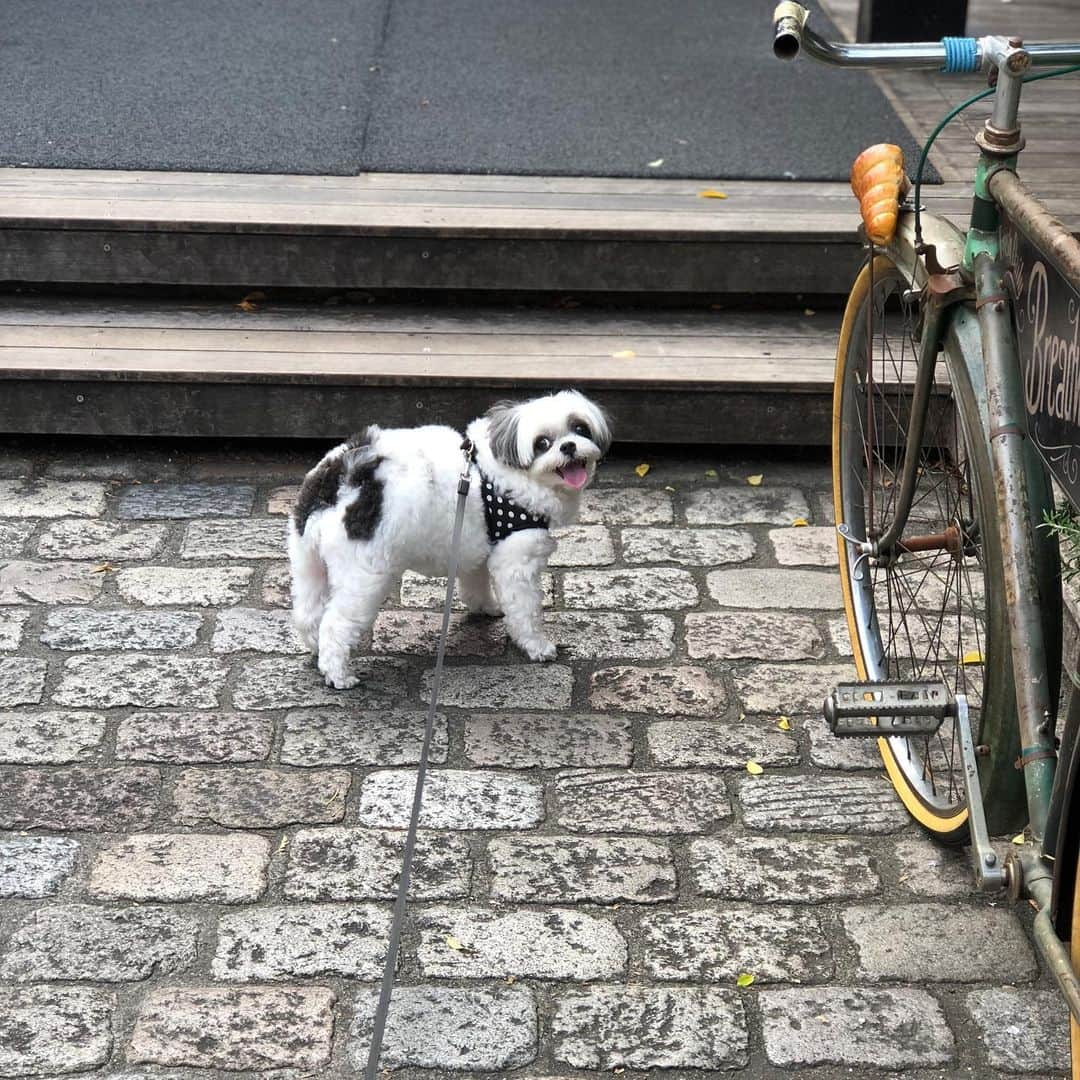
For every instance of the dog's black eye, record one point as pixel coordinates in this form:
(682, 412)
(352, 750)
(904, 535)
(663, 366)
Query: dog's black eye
(542, 445)
(582, 429)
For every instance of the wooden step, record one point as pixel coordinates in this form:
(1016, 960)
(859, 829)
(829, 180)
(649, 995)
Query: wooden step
(419, 232)
(152, 368)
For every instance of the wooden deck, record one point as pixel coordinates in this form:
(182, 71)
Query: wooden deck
(200, 369)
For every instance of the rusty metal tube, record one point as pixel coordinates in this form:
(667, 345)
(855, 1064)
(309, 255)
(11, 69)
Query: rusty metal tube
(1036, 222)
(1038, 885)
(1007, 424)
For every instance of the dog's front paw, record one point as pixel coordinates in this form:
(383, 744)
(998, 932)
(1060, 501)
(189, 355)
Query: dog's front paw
(342, 682)
(539, 649)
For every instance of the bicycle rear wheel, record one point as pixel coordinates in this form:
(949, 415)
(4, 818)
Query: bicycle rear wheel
(937, 611)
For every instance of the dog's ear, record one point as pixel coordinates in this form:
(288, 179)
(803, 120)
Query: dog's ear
(502, 420)
(601, 427)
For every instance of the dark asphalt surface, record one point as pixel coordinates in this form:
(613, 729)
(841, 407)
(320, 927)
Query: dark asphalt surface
(555, 87)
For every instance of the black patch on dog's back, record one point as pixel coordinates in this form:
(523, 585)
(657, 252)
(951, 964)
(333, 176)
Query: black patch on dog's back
(320, 487)
(363, 513)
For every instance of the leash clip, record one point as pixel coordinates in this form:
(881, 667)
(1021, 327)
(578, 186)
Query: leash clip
(468, 450)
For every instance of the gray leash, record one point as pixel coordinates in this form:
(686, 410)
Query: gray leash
(387, 987)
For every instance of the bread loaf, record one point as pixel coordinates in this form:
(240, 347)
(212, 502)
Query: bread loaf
(879, 181)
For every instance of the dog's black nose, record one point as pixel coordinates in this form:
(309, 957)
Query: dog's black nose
(569, 448)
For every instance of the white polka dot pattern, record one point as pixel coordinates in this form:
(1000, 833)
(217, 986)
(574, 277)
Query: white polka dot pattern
(499, 524)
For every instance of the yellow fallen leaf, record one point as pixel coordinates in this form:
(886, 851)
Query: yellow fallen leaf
(104, 568)
(643, 468)
(711, 193)
(712, 474)
(755, 481)
(784, 724)
(668, 487)
(809, 311)
(753, 768)
(246, 305)
(973, 657)
(799, 523)
(657, 163)
(453, 943)
(624, 354)
(745, 980)
(1018, 838)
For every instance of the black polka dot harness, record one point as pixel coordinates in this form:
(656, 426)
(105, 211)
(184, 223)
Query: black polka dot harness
(502, 515)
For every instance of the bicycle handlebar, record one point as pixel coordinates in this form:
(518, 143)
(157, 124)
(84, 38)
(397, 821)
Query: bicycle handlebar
(792, 36)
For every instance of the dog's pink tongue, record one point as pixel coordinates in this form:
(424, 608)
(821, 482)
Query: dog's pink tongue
(575, 474)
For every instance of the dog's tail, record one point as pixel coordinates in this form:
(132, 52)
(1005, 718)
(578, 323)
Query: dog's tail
(310, 586)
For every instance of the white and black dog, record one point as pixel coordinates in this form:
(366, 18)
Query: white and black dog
(384, 502)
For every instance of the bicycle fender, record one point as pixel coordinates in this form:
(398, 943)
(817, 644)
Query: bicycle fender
(1065, 817)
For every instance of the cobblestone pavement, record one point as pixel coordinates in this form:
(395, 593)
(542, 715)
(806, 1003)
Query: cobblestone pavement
(201, 840)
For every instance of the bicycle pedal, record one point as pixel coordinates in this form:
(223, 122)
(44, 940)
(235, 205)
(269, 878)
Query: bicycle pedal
(888, 708)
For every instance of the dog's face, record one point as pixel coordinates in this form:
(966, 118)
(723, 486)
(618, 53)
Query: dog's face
(557, 440)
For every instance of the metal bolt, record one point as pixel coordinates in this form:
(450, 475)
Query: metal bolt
(106, 247)
(79, 398)
(990, 859)
(999, 305)
(1015, 42)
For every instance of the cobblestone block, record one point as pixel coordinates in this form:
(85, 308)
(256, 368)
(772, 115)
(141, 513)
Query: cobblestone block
(611, 635)
(12, 622)
(548, 742)
(49, 583)
(302, 941)
(282, 499)
(186, 501)
(814, 546)
(829, 804)
(207, 586)
(277, 586)
(453, 799)
(260, 798)
(626, 506)
(582, 545)
(660, 588)
(1023, 1030)
(13, 535)
(745, 505)
(476, 1027)
(800, 590)
(77, 797)
(924, 868)
(416, 633)
(340, 863)
(524, 686)
(829, 752)
(641, 802)
(599, 870)
(22, 680)
(32, 867)
(90, 630)
(90, 943)
(667, 691)
(49, 738)
(849, 1027)
(244, 1028)
(255, 539)
(938, 943)
(249, 629)
(782, 869)
(143, 680)
(22, 498)
(838, 634)
(763, 635)
(688, 547)
(639, 1027)
(556, 943)
(332, 737)
(777, 944)
(227, 868)
(720, 744)
(789, 688)
(295, 682)
(418, 591)
(82, 539)
(50, 1030)
(178, 738)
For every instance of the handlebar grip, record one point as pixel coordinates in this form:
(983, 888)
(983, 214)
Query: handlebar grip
(789, 19)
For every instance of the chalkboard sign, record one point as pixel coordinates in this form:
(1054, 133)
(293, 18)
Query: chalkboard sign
(1046, 310)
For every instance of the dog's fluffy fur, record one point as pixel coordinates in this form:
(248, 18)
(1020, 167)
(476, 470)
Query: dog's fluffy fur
(384, 502)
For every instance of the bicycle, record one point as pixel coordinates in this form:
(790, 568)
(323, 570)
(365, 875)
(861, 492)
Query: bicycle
(957, 396)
